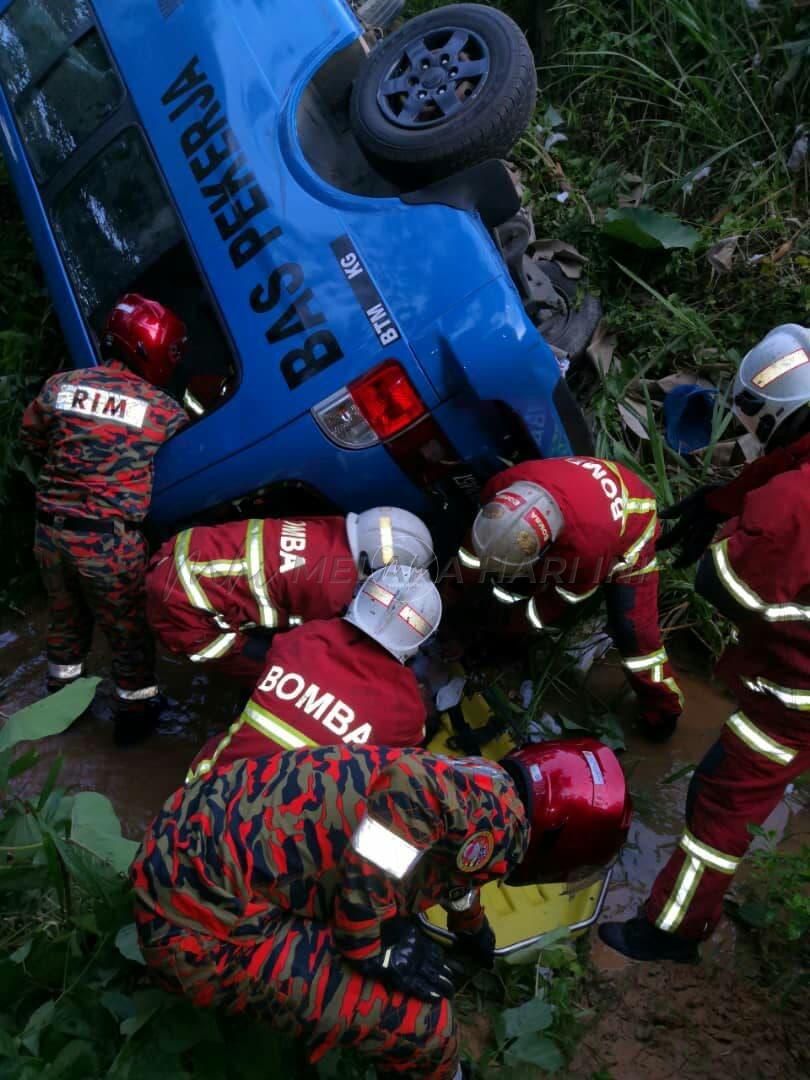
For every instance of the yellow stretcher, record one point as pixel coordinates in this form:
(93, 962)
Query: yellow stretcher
(520, 917)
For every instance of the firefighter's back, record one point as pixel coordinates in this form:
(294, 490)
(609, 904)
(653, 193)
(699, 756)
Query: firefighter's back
(104, 426)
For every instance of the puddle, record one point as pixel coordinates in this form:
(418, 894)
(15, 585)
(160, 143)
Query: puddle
(137, 780)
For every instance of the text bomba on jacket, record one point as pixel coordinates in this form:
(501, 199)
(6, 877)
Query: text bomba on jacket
(334, 714)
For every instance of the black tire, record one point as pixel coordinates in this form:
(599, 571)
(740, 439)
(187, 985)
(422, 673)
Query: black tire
(492, 108)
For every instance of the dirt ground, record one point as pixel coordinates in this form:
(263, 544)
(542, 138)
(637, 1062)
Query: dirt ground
(671, 1020)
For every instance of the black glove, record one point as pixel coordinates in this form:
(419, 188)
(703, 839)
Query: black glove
(694, 528)
(477, 946)
(409, 961)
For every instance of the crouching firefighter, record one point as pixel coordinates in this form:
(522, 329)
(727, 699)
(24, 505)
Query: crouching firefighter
(340, 680)
(550, 534)
(216, 594)
(98, 430)
(756, 572)
(288, 887)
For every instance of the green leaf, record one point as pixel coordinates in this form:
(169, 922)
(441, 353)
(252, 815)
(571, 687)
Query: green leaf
(50, 782)
(37, 1022)
(120, 1005)
(534, 1015)
(94, 826)
(648, 229)
(19, 956)
(532, 1049)
(757, 914)
(51, 716)
(679, 774)
(75, 1061)
(147, 1003)
(126, 941)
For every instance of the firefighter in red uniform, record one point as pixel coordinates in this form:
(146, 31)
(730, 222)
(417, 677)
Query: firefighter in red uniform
(340, 679)
(550, 534)
(216, 593)
(98, 430)
(289, 887)
(756, 573)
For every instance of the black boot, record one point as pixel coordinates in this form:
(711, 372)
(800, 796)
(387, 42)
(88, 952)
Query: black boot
(659, 732)
(136, 720)
(640, 940)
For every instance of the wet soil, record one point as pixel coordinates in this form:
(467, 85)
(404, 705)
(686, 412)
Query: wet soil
(671, 1020)
(137, 780)
(652, 1021)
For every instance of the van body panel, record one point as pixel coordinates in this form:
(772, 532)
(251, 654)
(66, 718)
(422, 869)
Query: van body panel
(314, 285)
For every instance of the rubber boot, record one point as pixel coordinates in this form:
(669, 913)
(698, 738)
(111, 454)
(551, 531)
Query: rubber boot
(641, 940)
(660, 731)
(136, 720)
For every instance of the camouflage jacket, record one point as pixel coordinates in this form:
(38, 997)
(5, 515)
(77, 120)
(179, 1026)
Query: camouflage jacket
(347, 837)
(98, 430)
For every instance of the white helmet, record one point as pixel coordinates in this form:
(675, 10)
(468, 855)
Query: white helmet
(387, 534)
(398, 606)
(516, 526)
(772, 387)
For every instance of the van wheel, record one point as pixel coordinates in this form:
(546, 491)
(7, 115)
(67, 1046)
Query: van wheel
(449, 89)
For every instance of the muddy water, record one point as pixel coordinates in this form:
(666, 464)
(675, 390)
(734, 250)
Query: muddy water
(138, 780)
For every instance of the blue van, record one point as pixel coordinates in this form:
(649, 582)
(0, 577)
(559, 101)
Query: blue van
(327, 210)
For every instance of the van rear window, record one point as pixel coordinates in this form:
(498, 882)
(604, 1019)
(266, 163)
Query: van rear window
(113, 222)
(119, 233)
(58, 76)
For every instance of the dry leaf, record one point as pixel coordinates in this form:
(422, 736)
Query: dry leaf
(634, 415)
(721, 254)
(567, 257)
(781, 251)
(669, 382)
(602, 347)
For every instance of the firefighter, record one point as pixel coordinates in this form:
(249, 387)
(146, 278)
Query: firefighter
(756, 572)
(216, 593)
(98, 430)
(289, 886)
(343, 679)
(550, 534)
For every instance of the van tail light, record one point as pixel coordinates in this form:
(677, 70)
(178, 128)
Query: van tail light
(371, 409)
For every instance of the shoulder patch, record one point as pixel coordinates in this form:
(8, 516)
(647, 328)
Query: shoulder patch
(83, 400)
(475, 852)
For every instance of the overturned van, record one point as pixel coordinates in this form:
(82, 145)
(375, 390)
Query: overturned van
(327, 210)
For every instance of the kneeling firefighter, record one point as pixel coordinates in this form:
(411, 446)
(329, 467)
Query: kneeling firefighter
(289, 886)
(756, 572)
(339, 680)
(216, 593)
(98, 430)
(550, 534)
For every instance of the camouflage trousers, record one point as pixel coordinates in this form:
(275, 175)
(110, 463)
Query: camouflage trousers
(97, 578)
(292, 977)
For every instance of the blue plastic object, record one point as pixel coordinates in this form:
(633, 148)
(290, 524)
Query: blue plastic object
(688, 412)
(214, 90)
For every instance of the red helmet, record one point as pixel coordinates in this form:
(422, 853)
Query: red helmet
(146, 336)
(577, 804)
